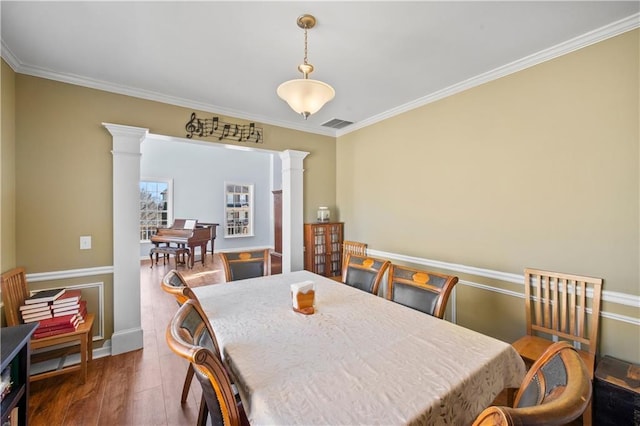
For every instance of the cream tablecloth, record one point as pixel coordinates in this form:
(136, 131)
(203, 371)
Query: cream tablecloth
(359, 360)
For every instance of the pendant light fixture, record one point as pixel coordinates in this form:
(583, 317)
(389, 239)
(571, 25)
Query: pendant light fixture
(306, 96)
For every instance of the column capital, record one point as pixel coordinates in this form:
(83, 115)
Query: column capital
(292, 159)
(119, 130)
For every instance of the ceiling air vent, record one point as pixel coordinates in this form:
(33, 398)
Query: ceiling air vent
(336, 123)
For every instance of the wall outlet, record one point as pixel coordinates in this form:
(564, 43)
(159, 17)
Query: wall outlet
(85, 242)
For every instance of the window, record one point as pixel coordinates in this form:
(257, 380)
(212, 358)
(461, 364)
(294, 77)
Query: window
(238, 210)
(156, 206)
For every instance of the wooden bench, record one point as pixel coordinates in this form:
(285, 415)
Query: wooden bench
(177, 252)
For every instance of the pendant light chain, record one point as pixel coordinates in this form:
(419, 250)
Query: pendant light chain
(305, 46)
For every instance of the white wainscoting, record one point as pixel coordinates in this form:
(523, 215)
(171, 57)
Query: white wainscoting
(80, 273)
(607, 296)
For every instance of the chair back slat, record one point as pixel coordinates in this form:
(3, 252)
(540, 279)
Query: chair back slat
(547, 303)
(564, 284)
(538, 299)
(555, 305)
(595, 311)
(582, 313)
(571, 295)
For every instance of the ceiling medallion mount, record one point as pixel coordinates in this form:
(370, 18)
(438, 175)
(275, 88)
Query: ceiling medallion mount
(306, 96)
(306, 22)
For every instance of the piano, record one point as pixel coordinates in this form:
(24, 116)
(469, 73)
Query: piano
(189, 233)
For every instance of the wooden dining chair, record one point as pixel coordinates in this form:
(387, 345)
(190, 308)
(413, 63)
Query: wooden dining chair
(189, 336)
(363, 272)
(175, 284)
(561, 307)
(245, 264)
(419, 289)
(350, 247)
(556, 390)
(14, 292)
(353, 247)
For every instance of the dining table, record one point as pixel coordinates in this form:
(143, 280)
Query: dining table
(359, 359)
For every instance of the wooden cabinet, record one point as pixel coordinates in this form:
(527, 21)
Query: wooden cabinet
(15, 361)
(616, 393)
(277, 221)
(276, 254)
(323, 248)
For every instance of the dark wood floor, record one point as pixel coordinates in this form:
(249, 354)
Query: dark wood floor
(142, 387)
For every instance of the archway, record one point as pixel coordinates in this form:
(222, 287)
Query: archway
(127, 330)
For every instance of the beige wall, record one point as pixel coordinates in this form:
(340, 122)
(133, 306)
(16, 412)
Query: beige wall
(539, 168)
(63, 146)
(63, 169)
(536, 169)
(7, 168)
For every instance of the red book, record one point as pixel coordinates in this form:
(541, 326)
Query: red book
(67, 327)
(82, 313)
(49, 333)
(69, 297)
(67, 319)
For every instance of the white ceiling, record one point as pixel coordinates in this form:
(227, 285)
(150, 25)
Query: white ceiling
(382, 58)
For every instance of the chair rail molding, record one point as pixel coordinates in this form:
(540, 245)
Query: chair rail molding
(607, 296)
(70, 273)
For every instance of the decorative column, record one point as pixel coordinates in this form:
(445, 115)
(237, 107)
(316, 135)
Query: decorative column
(127, 326)
(292, 210)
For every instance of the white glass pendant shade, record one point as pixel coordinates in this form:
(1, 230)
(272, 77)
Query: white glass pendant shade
(306, 96)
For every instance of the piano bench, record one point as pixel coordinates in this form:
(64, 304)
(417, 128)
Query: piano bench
(177, 252)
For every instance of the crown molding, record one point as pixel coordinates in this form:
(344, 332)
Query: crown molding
(616, 28)
(77, 80)
(608, 31)
(8, 56)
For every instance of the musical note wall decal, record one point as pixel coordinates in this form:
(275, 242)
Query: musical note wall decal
(213, 127)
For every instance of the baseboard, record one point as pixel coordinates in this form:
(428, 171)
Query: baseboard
(126, 341)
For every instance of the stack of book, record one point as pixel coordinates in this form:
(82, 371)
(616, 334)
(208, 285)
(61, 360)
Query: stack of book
(68, 303)
(58, 325)
(38, 306)
(57, 311)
